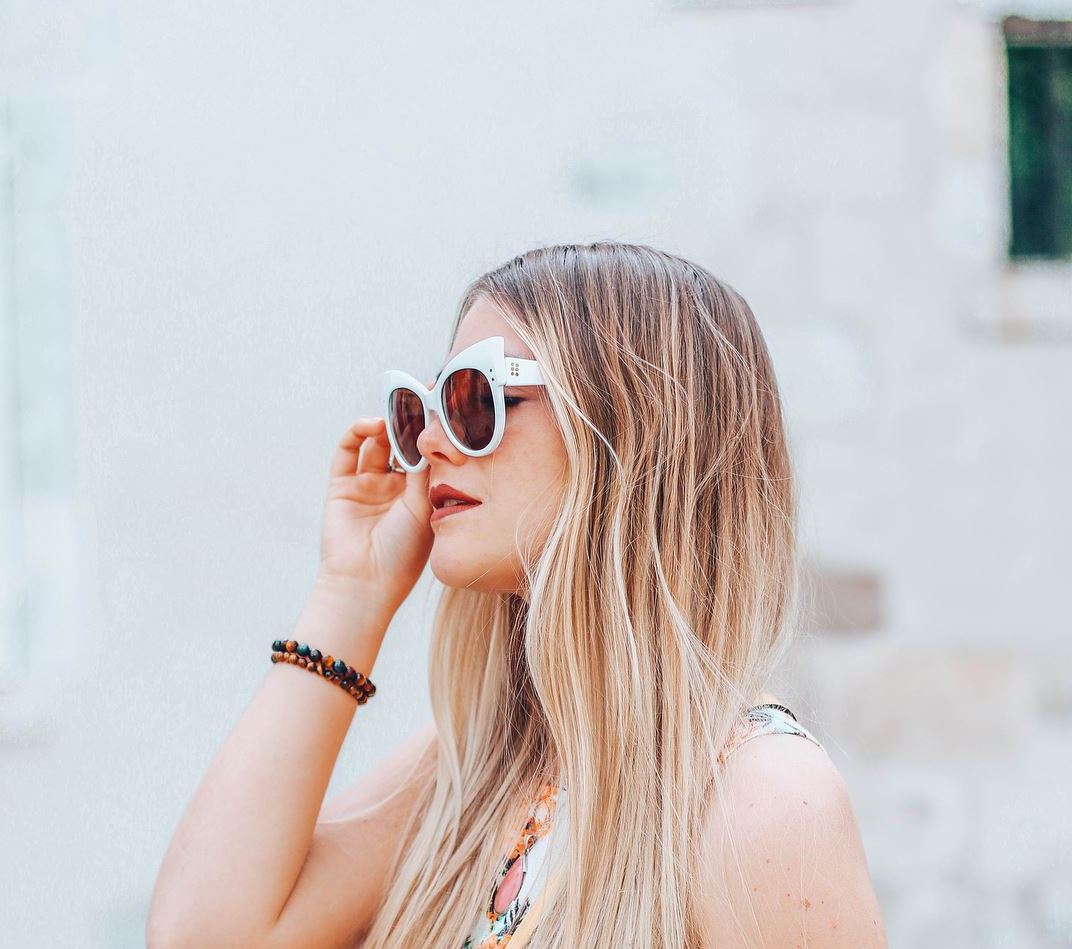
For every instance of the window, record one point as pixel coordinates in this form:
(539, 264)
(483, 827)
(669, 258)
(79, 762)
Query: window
(1040, 136)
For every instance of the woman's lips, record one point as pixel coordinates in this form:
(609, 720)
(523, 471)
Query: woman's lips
(440, 512)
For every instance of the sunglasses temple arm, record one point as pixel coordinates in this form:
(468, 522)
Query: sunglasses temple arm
(523, 372)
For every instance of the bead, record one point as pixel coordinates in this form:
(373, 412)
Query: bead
(357, 684)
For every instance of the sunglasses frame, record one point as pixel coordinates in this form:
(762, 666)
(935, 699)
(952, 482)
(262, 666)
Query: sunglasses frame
(487, 356)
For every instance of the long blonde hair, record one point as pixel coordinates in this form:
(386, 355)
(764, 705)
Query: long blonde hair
(655, 614)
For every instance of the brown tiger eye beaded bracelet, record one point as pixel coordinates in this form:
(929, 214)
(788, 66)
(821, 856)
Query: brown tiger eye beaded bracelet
(335, 670)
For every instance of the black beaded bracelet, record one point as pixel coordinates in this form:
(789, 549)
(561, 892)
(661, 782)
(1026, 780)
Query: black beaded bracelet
(335, 670)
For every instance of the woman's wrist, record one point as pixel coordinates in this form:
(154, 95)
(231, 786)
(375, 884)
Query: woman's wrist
(351, 598)
(340, 619)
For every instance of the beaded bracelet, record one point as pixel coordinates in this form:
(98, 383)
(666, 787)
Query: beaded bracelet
(334, 670)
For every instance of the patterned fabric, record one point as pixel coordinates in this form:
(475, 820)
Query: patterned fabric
(767, 719)
(514, 902)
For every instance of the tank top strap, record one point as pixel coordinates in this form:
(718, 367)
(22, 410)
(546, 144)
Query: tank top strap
(770, 718)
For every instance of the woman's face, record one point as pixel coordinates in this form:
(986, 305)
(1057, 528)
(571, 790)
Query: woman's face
(519, 485)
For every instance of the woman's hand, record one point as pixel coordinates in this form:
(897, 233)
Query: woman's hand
(376, 537)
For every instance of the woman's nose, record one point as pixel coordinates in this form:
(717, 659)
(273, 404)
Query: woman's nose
(433, 440)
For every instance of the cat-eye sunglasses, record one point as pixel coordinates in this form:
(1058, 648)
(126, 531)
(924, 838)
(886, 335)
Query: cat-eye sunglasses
(467, 395)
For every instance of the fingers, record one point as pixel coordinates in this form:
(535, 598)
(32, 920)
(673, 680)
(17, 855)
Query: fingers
(364, 442)
(376, 452)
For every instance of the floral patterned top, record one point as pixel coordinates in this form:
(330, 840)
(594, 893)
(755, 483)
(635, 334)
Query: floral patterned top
(513, 907)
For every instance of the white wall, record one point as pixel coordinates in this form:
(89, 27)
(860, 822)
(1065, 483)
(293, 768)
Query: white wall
(267, 204)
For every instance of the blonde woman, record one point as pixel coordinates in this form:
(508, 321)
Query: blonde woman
(601, 480)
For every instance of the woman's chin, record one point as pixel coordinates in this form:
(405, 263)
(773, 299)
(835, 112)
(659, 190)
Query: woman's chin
(451, 567)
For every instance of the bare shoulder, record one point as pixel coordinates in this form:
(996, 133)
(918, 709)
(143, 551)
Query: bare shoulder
(785, 865)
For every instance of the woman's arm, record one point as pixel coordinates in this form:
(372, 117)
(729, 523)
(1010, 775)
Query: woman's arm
(798, 874)
(239, 848)
(357, 835)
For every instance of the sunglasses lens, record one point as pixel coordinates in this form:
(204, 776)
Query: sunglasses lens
(470, 408)
(405, 415)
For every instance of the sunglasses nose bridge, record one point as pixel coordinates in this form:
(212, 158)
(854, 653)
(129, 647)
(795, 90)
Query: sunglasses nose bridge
(432, 407)
(431, 416)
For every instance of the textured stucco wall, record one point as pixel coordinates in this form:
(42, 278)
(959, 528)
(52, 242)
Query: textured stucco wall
(267, 204)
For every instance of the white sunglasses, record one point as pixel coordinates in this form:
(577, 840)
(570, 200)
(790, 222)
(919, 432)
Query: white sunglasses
(467, 396)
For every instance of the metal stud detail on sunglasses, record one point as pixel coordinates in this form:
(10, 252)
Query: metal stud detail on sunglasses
(479, 372)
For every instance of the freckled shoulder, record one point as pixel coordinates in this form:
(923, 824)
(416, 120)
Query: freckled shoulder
(787, 865)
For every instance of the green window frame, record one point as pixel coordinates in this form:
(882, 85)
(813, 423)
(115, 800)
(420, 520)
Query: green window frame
(1039, 63)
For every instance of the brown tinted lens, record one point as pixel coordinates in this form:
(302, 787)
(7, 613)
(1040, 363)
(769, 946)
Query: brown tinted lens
(470, 408)
(405, 415)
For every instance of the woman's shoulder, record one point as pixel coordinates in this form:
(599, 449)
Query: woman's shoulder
(767, 717)
(790, 759)
(787, 842)
(786, 777)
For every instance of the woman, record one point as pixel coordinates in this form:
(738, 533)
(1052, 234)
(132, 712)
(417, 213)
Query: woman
(617, 594)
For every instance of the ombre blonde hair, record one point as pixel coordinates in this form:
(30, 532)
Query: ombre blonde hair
(656, 613)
